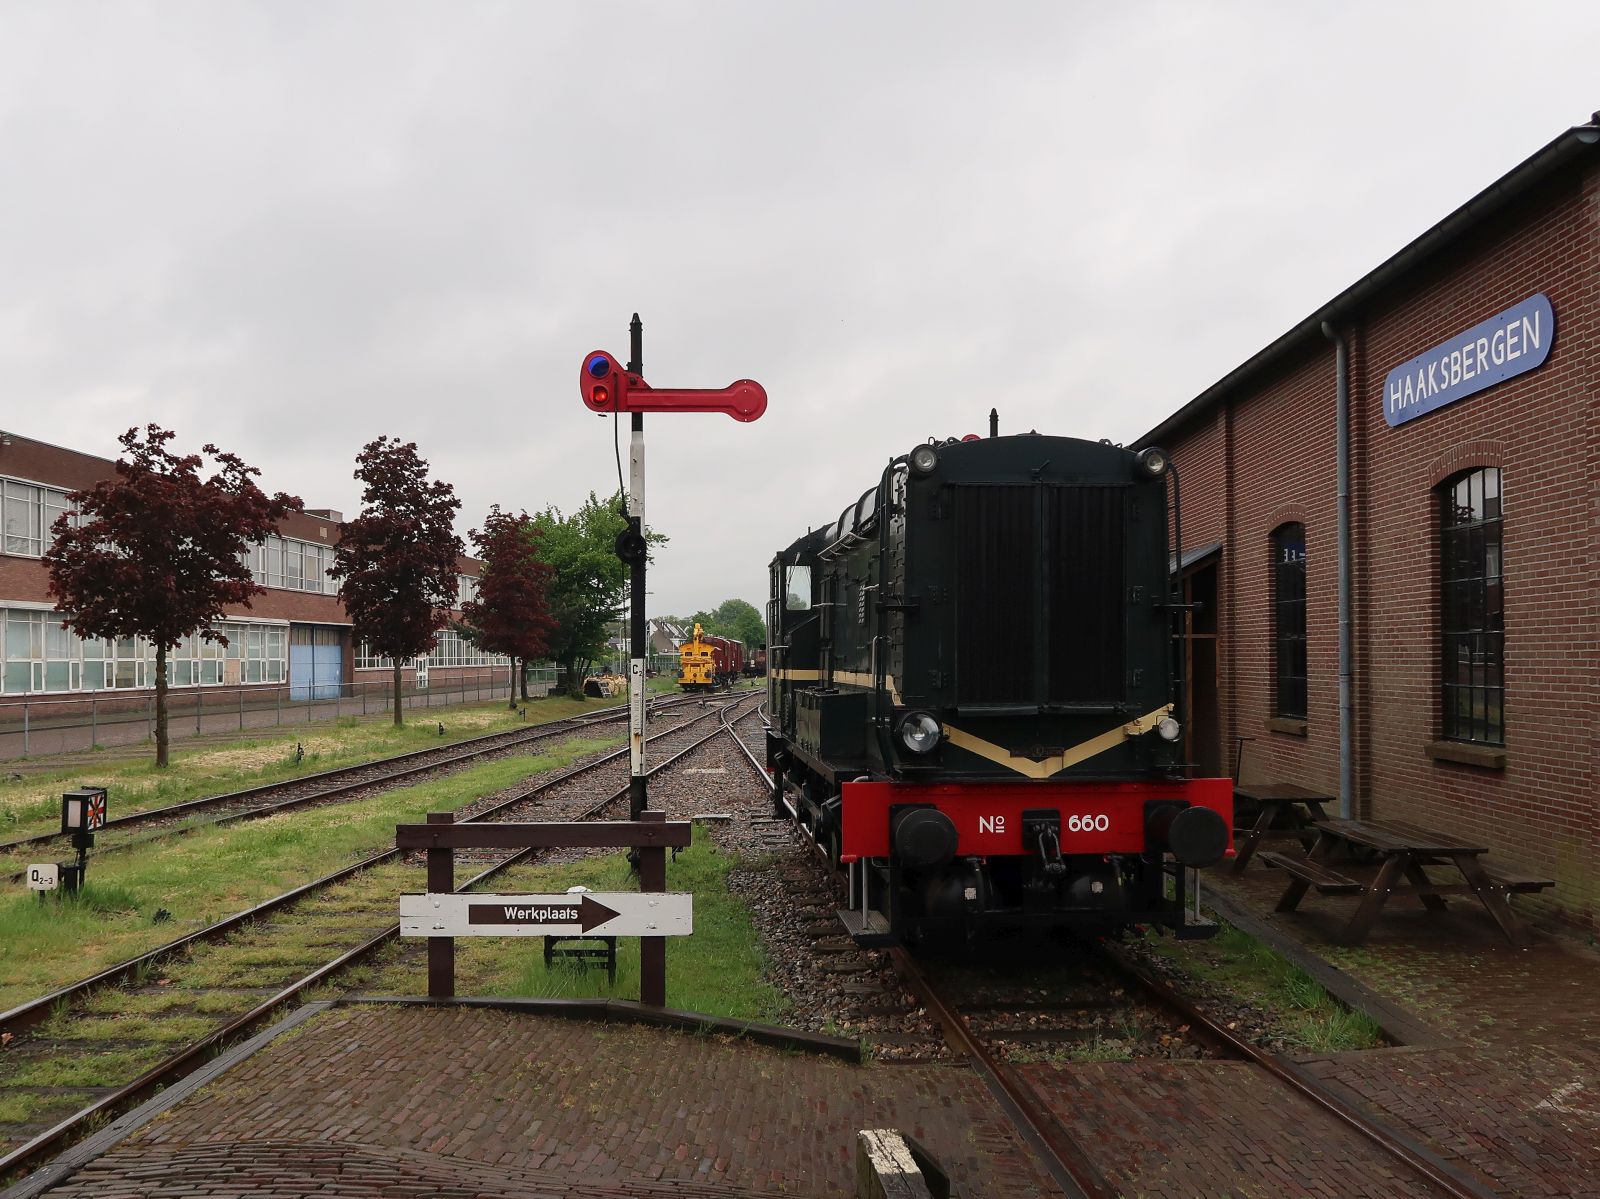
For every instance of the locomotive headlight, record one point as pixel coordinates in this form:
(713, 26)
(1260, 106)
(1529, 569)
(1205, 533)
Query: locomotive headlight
(920, 733)
(1153, 462)
(924, 459)
(1168, 728)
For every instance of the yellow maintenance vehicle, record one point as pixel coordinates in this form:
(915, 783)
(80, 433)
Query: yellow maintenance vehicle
(697, 666)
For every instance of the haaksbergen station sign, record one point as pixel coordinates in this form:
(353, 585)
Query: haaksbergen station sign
(1502, 347)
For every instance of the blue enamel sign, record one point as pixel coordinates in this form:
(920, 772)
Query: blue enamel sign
(1500, 348)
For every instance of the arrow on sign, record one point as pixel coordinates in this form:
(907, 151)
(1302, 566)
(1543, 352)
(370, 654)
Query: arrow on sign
(613, 914)
(586, 913)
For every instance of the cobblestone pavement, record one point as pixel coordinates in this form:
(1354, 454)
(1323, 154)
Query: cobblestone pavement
(418, 1101)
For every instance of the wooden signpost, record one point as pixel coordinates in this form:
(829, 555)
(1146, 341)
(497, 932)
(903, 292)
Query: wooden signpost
(652, 915)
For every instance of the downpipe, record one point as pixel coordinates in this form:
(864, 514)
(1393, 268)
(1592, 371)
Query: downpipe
(1347, 766)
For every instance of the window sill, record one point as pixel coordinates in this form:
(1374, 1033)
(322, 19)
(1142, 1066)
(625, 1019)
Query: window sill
(1488, 757)
(1286, 724)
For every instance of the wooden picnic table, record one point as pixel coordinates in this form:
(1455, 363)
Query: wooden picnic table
(1278, 816)
(1405, 851)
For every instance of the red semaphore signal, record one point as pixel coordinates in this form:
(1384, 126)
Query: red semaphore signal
(606, 387)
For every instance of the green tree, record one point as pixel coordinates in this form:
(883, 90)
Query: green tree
(740, 620)
(735, 619)
(588, 581)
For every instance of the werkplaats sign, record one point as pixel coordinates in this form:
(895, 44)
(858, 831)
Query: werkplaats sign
(1506, 345)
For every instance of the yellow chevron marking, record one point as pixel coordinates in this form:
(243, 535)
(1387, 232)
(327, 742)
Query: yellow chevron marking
(1078, 753)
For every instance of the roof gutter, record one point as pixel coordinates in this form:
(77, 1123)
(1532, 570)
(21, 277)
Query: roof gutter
(1572, 145)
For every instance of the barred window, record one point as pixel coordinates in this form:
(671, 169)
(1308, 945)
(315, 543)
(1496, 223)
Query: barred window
(1289, 619)
(1472, 609)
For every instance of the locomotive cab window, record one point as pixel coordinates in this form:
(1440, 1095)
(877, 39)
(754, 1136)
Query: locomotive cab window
(1471, 609)
(1289, 620)
(797, 589)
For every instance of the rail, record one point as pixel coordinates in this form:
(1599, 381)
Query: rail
(193, 1054)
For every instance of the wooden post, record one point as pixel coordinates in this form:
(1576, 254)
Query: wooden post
(441, 950)
(653, 950)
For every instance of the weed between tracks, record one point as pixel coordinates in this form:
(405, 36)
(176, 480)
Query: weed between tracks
(32, 805)
(1274, 999)
(214, 872)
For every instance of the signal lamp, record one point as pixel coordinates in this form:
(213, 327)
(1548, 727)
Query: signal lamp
(920, 733)
(602, 395)
(1153, 462)
(1168, 728)
(924, 460)
(599, 366)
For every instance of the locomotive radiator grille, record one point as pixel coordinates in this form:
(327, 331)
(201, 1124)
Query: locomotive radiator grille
(1088, 610)
(1032, 625)
(997, 587)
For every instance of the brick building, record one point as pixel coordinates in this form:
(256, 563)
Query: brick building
(1474, 558)
(294, 640)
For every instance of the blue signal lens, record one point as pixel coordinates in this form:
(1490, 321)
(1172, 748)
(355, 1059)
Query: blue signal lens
(599, 366)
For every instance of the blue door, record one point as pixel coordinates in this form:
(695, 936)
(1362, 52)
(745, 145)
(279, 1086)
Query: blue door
(316, 661)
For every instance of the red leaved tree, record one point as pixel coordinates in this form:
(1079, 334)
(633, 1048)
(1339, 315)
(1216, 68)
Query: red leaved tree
(397, 559)
(511, 614)
(156, 552)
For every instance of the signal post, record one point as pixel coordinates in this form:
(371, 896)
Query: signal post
(609, 389)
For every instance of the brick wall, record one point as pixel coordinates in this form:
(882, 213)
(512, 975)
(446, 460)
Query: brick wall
(1266, 454)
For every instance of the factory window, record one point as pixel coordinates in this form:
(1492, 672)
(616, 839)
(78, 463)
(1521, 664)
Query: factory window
(42, 656)
(293, 565)
(27, 512)
(450, 649)
(1289, 619)
(1472, 609)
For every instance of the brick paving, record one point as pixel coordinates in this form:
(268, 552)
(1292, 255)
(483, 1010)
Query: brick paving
(1178, 1129)
(412, 1101)
(418, 1101)
(1514, 1095)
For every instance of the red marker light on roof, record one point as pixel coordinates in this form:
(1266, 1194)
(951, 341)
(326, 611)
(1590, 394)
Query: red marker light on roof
(970, 437)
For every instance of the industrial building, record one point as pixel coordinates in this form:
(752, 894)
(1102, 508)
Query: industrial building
(292, 642)
(1414, 463)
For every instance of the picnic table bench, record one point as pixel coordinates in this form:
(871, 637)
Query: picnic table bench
(1278, 816)
(1403, 850)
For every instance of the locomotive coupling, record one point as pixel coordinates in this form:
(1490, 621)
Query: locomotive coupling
(1194, 836)
(1041, 829)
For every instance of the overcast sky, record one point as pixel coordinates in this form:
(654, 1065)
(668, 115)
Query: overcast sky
(290, 227)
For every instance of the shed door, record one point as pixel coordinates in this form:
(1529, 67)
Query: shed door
(316, 662)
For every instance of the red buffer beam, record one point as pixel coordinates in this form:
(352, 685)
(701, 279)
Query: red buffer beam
(606, 388)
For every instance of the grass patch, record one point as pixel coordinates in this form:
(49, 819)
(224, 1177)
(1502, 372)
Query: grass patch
(216, 871)
(718, 970)
(1304, 1014)
(32, 805)
(104, 1069)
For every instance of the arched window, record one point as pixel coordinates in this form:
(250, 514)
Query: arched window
(1289, 620)
(1472, 609)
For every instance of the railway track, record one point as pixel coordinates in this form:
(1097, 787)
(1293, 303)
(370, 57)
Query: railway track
(328, 786)
(341, 920)
(987, 1022)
